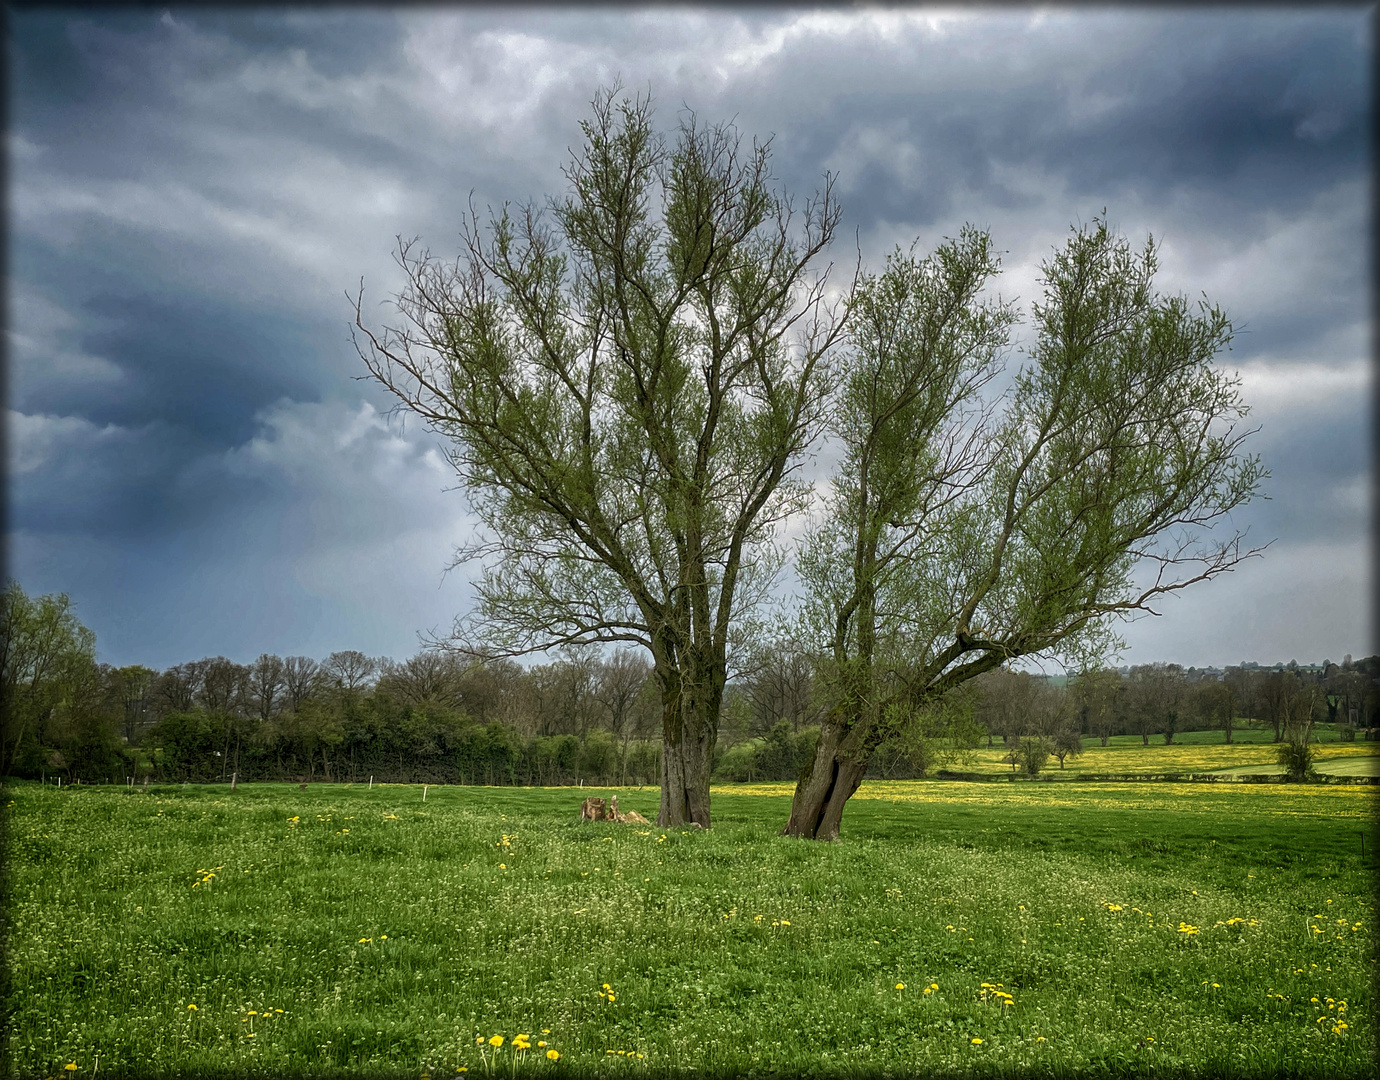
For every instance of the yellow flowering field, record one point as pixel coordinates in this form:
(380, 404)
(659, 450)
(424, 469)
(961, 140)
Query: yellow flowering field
(1126, 757)
(957, 929)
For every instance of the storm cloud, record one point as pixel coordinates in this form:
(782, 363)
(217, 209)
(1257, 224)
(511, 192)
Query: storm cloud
(194, 195)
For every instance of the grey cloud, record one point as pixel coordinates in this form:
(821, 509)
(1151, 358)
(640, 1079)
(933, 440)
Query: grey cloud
(190, 202)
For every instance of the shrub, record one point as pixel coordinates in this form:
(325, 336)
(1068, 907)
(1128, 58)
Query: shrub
(1032, 754)
(1296, 755)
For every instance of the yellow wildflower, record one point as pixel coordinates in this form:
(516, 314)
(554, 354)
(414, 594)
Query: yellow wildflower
(553, 1055)
(900, 986)
(977, 1042)
(496, 1040)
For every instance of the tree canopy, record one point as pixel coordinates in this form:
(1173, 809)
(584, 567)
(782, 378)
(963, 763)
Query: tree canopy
(627, 378)
(966, 530)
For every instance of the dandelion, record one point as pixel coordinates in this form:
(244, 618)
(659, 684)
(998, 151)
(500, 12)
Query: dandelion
(976, 1042)
(192, 1008)
(496, 1041)
(72, 1067)
(900, 986)
(553, 1055)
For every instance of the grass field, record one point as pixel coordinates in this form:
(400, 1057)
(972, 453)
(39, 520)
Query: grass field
(958, 929)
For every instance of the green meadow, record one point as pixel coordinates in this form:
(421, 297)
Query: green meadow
(958, 929)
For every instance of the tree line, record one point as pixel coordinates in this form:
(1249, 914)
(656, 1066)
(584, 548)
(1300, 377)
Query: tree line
(585, 716)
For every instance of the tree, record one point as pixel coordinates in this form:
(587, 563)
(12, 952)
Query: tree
(133, 685)
(300, 677)
(1095, 693)
(1156, 692)
(350, 670)
(628, 382)
(1215, 703)
(179, 687)
(781, 685)
(267, 685)
(1032, 754)
(47, 673)
(621, 688)
(1298, 708)
(1068, 743)
(957, 538)
(1273, 694)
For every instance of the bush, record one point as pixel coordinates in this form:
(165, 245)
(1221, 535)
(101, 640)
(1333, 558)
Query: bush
(1296, 755)
(1032, 755)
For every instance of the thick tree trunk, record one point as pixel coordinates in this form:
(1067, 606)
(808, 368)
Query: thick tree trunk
(834, 774)
(690, 714)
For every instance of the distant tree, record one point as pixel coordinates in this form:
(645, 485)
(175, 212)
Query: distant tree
(1032, 753)
(134, 687)
(1095, 693)
(267, 685)
(1274, 691)
(179, 687)
(350, 670)
(1215, 704)
(430, 677)
(300, 678)
(622, 687)
(781, 685)
(1298, 710)
(1068, 743)
(224, 687)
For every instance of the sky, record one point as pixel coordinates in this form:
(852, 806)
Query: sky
(193, 193)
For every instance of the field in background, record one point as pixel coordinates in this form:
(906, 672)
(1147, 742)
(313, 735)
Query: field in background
(970, 929)
(1193, 752)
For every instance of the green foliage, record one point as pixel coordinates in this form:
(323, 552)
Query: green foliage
(961, 532)
(1297, 756)
(779, 755)
(1033, 753)
(52, 692)
(628, 385)
(393, 932)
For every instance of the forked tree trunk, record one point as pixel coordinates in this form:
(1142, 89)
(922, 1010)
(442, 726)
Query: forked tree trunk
(833, 775)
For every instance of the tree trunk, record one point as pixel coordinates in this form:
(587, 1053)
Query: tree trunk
(835, 773)
(690, 709)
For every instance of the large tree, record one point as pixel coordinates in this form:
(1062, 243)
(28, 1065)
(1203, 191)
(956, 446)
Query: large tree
(627, 380)
(963, 530)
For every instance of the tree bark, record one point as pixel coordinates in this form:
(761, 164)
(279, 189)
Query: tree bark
(690, 708)
(833, 775)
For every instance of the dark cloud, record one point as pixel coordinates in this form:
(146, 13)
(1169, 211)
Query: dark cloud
(194, 193)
